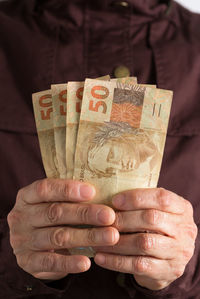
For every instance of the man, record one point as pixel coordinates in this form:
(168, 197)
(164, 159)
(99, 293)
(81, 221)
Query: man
(56, 41)
(125, 151)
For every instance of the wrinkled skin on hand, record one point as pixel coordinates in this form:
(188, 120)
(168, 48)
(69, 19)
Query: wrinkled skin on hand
(40, 232)
(160, 240)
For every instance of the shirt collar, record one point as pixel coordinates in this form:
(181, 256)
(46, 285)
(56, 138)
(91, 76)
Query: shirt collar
(150, 9)
(153, 8)
(143, 6)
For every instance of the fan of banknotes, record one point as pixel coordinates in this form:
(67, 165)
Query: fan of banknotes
(109, 132)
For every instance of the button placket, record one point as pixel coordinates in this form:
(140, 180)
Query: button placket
(121, 71)
(116, 39)
(120, 4)
(29, 288)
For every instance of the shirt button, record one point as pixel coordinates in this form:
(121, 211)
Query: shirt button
(121, 279)
(121, 3)
(121, 71)
(29, 288)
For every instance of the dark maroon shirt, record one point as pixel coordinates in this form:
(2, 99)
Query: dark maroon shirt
(54, 41)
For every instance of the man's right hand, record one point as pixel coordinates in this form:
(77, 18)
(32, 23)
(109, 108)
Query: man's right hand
(39, 227)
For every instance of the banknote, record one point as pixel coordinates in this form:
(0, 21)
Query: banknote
(59, 100)
(121, 138)
(75, 94)
(43, 111)
(74, 103)
(121, 135)
(74, 100)
(125, 80)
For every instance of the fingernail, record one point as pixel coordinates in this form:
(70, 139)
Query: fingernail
(87, 191)
(118, 200)
(100, 259)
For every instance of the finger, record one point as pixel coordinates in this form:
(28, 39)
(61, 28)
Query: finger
(155, 198)
(49, 190)
(49, 275)
(43, 215)
(53, 262)
(148, 220)
(154, 245)
(67, 237)
(144, 266)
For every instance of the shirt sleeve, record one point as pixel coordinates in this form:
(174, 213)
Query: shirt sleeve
(188, 283)
(15, 282)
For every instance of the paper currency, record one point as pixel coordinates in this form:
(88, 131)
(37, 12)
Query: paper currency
(121, 137)
(59, 100)
(125, 80)
(75, 95)
(74, 103)
(88, 251)
(43, 111)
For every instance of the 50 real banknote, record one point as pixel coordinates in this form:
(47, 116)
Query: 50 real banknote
(121, 137)
(118, 136)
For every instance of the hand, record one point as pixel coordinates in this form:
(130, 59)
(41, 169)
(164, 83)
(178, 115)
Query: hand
(161, 237)
(40, 232)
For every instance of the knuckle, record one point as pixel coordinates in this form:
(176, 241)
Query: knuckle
(46, 186)
(140, 265)
(195, 230)
(48, 263)
(61, 187)
(13, 218)
(64, 265)
(82, 213)
(19, 194)
(91, 236)
(15, 241)
(12, 241)
(189, 206)
(136, 198)
(118, 224)
(145, 242)
(65, 189)
(42, 188)
(188, 253)
(10, 218)
(191, 230)
(178, 271)
(160, 284)
(58, 237)
(163, 196)
(119, 263)
(152, 217)
(54, 212)
(21, 261)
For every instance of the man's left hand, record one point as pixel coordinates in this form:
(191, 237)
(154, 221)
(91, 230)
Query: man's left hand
(158, 237)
